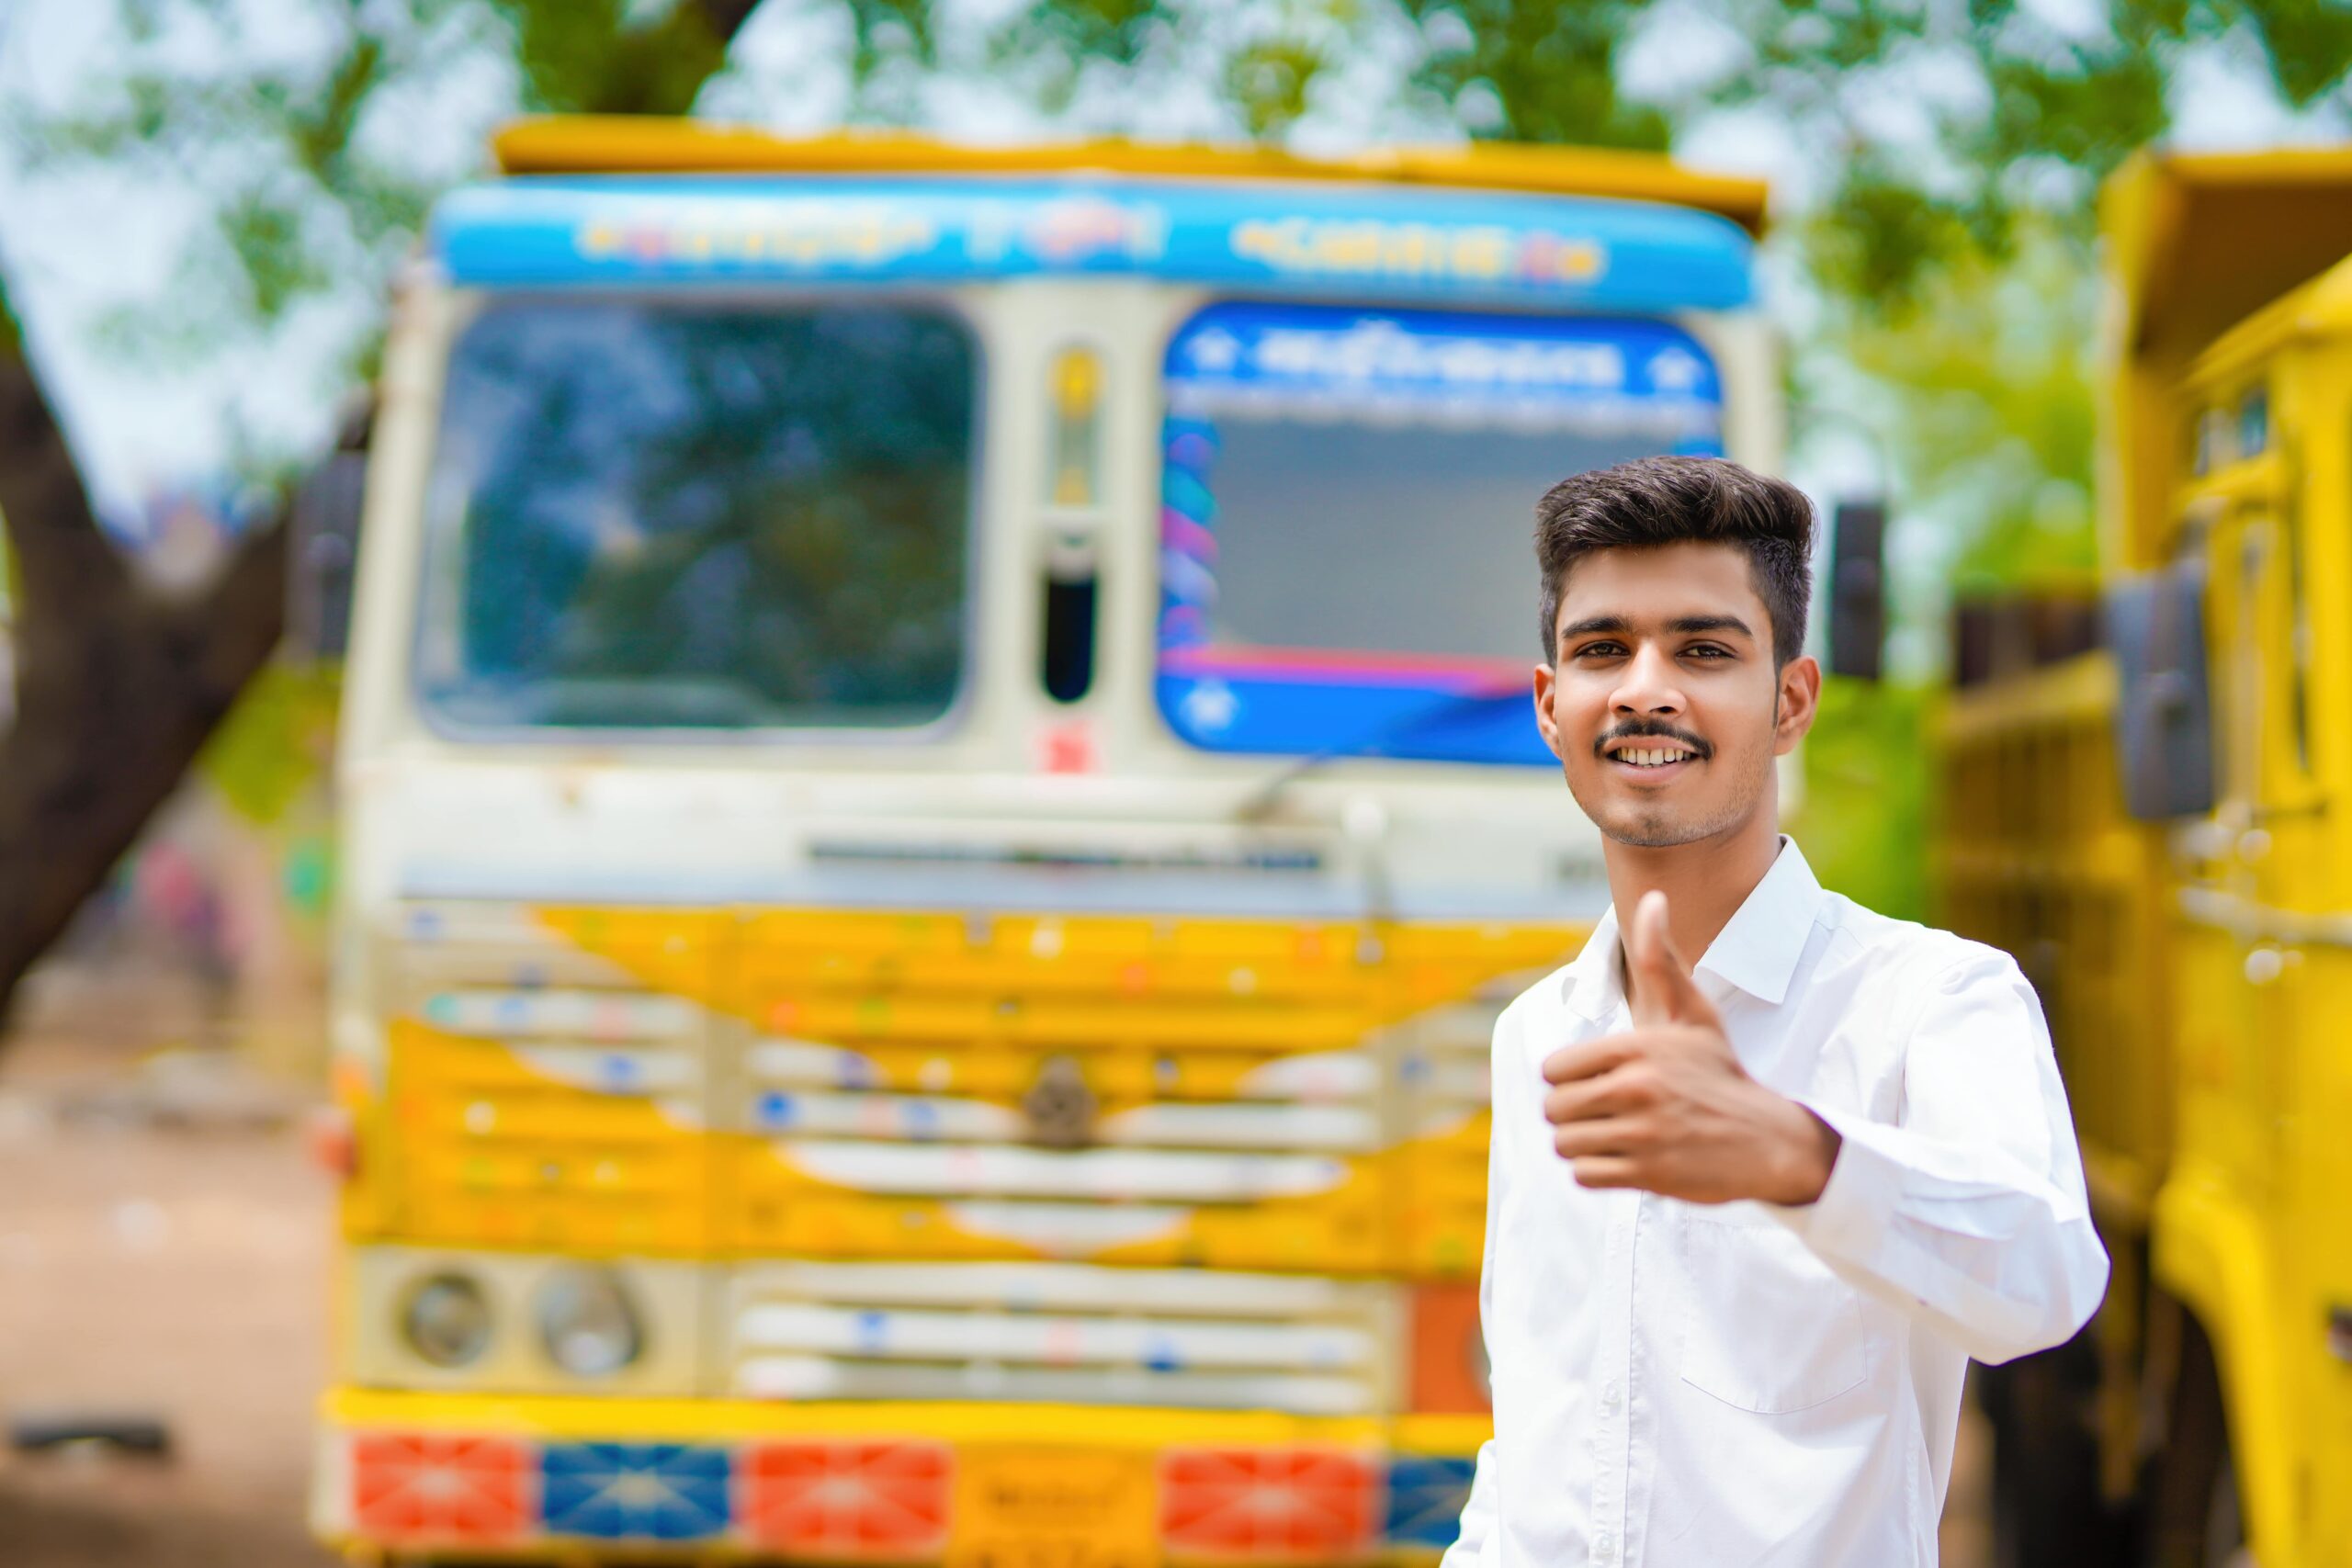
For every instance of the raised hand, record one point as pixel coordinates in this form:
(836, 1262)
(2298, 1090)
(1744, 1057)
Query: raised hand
(1666, 1107)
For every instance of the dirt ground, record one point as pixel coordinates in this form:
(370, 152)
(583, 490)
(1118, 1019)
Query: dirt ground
(162, 1248)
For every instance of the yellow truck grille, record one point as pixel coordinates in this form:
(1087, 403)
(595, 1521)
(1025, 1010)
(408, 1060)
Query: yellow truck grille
(1247, 1094)
(1254, 1096)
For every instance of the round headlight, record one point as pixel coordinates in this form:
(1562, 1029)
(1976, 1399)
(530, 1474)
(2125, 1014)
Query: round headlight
(587, 1323)
(447, 1320)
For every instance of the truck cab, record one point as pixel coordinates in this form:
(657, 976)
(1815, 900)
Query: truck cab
(939, 795)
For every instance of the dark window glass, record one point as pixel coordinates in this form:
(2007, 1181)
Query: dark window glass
(1409, 540)
(1370, 477)
(658, 516)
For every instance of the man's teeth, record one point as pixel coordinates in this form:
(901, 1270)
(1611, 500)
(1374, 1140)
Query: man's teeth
(1652, 757)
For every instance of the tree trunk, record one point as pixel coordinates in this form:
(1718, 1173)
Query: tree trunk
(117, 686)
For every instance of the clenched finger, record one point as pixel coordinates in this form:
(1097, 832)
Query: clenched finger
(1590, 1059)
(1614, 1135)
(1607, 1170)
(1621, 1089)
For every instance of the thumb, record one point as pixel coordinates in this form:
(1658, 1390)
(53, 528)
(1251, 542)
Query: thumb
(1663, 989)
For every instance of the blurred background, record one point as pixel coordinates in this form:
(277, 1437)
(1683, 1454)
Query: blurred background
(205, 207)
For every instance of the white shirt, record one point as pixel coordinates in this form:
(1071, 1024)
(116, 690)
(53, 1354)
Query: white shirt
(1680, 1385)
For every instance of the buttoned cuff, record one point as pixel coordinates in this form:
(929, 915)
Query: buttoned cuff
(1856, 1205)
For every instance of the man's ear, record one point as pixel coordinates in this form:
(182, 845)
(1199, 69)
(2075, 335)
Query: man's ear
(1544, 678)
(1798, 700)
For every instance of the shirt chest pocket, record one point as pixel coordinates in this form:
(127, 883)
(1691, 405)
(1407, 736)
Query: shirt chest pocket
(1766, 1325)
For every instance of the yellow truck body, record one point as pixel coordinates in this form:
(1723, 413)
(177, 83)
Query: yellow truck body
(897, 1001)
(2193, 950)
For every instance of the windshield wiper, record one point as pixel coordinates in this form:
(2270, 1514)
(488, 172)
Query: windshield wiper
(1260, 803)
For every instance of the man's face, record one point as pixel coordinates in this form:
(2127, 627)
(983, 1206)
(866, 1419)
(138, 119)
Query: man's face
(1662, 704)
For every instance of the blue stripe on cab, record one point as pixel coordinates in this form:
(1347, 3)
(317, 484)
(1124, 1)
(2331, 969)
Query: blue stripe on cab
(1593, 253)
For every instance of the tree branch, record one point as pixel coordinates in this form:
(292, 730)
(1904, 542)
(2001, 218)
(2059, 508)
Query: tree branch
(725, 19)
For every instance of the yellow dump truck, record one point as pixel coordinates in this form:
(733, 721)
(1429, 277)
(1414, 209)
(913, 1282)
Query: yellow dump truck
(2161, 829)
(938, 797)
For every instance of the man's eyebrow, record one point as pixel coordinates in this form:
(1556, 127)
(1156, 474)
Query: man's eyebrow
(1690, 623)
(1684, 625)
(1615, 624)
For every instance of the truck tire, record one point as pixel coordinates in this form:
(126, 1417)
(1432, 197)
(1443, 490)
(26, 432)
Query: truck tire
(2193, 1512)
(2048, 1511)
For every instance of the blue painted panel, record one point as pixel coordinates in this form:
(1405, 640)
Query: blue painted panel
(1441, 244)
(1425, 1499)
(1334, 714)
(663, 1492)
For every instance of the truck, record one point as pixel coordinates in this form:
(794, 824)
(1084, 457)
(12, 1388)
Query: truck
(938, 796)
(2143, 797)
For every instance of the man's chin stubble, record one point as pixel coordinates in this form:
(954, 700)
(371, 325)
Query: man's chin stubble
(1658, 829)
(1657, 832)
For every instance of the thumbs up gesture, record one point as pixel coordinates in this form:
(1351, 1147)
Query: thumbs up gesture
(1663, 993)
(1666, 1107)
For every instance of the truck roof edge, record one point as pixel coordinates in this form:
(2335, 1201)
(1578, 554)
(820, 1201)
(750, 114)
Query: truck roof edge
(2194, 243)
(581, 144)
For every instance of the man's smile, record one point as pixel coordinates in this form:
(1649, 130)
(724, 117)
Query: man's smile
(1651, 758)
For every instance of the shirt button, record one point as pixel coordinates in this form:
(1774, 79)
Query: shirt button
(1604, 1546)
(1609, 1397)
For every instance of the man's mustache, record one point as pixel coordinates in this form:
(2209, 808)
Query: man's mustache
(1652, 729)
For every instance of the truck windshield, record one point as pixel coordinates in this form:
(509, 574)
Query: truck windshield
(648, 515)
(1348, 512)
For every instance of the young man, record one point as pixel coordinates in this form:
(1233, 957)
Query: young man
(1747, 1221)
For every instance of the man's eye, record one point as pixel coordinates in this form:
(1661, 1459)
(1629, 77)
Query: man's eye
(1708, 650)
(1604, 650)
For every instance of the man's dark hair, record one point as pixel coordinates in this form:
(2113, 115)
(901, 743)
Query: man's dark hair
(1671, 501)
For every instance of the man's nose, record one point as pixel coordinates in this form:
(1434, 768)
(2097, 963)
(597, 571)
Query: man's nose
(1649, 686)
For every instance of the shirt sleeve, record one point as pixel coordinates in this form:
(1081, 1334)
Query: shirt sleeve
(1968, 1212)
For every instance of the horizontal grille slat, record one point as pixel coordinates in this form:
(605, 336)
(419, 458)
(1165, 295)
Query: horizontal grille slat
(1169, 1124)
(1109, 1175)
(524, 1014)
(1036, 1286)
(799, 1377)
(1176, 1125)
(1065, 1332)
(1149, 1342)
(1314, 1078)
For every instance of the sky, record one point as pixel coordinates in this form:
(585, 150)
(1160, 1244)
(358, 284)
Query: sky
(83, 243)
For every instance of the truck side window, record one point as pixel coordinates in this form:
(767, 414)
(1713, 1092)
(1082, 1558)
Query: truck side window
(2253, 424)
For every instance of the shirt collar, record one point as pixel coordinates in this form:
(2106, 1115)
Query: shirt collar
(1591, 987)
(1756, 950)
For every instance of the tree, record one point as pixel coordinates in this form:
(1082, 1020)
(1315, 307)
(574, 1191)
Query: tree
(120, 682)
(1945, 131)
